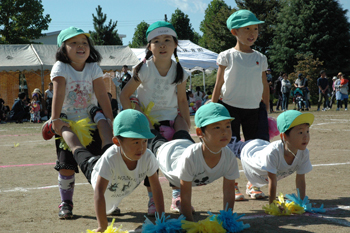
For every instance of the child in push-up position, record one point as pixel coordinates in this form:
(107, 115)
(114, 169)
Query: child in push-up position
(118, 172)
(266, 163)
(186, 164)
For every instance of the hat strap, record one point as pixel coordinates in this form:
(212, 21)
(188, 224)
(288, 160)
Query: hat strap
(215, 153)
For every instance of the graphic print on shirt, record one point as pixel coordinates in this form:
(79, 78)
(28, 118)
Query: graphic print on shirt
(204, 181)
(113, 187)
(283, 174)
(161, 87)
(79, 96)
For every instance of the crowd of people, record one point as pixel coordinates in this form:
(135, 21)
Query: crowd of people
(128, 147)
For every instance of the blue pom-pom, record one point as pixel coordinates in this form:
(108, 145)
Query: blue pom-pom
(229, 220)
(163, 224)
(304, 203)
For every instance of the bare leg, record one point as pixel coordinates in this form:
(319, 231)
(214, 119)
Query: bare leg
(105, 132)
(180, 124)
(71, 139)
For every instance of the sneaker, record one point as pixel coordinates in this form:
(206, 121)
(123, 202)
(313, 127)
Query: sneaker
(116, 212)
(238, 195)
(346, 109)
(176, 206)
(254, 192)
(151, 207)
(318, 109)
(337, 109)
(92, 110)
(66, 208)
(47, 130)
(323, 109)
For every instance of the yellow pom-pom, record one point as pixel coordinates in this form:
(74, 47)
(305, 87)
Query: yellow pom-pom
(191, 104)
(147, 111)
(111, 229)
(203, 226)
(209, 96)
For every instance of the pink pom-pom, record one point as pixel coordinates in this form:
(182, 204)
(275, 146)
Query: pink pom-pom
(167, 132)
(273, 130)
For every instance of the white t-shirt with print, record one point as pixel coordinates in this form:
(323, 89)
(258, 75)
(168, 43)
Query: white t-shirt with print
(122, 181)
(183, 160)
(243, 85)
(79, 92)
(160, 90)
(259, 157)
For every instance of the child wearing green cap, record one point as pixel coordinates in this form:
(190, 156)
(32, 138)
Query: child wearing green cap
(187, 164)
(241, 81)
(265, 163)
(77, 86)
(123, 166)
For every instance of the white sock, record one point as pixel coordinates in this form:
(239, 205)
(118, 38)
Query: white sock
(99, 116)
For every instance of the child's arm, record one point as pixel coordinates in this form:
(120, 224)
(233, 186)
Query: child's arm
(157, 193)
(182, 103)
(186, 194)
(272, 186)
(100, 204)
(301, 185)
(127, 91)
(59, 90)
(218, 84)
(266, 92)
(102, 97)
(228, 191)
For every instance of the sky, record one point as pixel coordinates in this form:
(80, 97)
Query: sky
(128, 13)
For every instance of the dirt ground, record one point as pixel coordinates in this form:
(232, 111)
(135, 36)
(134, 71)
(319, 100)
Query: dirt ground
(29, 194)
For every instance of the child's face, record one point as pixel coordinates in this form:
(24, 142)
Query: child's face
(162, 46)
(246, 35)
(216, 135)
(35, 98)
(78, 49)
(299, 137)
(134, 148)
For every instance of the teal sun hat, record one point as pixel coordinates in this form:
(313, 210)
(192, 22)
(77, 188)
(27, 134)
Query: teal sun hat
(131, 123)
(242, 18)
(69, 33)
(292, 118)
(211, 113)
(160, 28)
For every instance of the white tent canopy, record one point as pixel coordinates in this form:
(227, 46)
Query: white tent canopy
(42, 57)
(192, 57)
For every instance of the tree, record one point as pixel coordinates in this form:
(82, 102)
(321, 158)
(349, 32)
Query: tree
(216, 36)
(22, 21)
(319, 27)
(264, 10)
(104, 34)
(182, 25)
(139, 39)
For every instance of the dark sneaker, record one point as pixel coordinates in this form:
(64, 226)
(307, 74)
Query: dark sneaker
(116, 212)
(47, 130)
(65, 210)
(92, 110)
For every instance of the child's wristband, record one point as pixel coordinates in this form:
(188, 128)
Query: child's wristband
(55, 119)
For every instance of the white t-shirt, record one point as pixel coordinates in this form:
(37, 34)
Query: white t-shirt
(197, 96)
(79, 93)
(160, 90)
(243, 85)
(49, 93)
(259, 157)
(183, 160)
(122, 181)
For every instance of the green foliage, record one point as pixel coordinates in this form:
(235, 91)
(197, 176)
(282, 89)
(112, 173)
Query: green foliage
(104, 34)
(319, 27)
(264, 10)
(216, 36)
(22, 21)
(182, 25)
(139, 39)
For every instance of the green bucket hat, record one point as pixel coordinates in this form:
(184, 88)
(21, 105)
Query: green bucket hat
(69, 33)
(242, 18)
(131, 123)
(211, 113)
(160, 28)
(292, 118)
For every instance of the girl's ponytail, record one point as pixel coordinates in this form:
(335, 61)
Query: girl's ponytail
(138, 67)
(179, 71)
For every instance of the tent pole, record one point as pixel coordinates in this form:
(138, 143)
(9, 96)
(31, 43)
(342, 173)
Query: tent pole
(190, 87)
(204, 80)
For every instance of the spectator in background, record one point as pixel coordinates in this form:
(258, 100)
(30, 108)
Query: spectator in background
(278, 93)
(269, 81)
(285, 89)
(125, 76)
(35, 109)
(18, 112)
(48, 99)
(333, 92)
(198, 97)
(2, 112)
(303, 84)
(342, 91)
(114, 104)
(323, 85)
